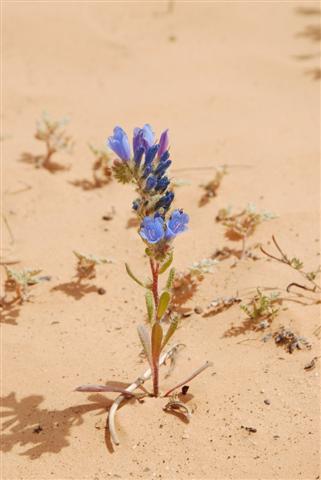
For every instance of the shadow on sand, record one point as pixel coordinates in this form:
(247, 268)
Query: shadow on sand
(311, 32)
(39, 161)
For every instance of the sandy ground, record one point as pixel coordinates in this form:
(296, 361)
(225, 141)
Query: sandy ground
(236, 84)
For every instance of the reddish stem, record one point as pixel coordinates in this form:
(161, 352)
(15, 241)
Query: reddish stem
(155, 370)
(155, 272)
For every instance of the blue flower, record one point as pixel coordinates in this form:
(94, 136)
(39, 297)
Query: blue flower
(152, 229)
(164, 156)
(163, 143)
(148, 135)
(150, 183)
(165, 201)
(150, 154)
(162, 167)
(138, 155)
(119, 144)
(176, 224)
(143, 137)
(162, 184)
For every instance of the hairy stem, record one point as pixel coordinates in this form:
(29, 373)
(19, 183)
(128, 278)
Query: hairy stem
(155, 272)
(155, 370)
(156, 378)
(139, 381)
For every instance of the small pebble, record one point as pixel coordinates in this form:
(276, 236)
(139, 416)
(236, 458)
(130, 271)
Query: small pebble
(267, 402)
(101, 291)
(198, 310)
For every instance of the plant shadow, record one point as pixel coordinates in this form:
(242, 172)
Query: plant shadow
(75, 289)
(40, 430)
(38, 161)
(311, 32)
(247, 325)
(184, 288)
(9, 312)
(88, 185)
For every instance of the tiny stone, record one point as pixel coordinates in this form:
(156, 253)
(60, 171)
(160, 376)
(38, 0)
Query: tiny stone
(198, 310)
(38, 429)
(101, 291)
(267, 402)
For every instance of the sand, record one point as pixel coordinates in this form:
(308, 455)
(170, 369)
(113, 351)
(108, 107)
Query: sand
(237, 83)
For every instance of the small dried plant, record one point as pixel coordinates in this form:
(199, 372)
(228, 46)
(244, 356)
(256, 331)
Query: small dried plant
(19, 281)
(146, 168)
(286, 338)
(53, 134)
(212, 186)
(242, 225)
(296, 264)
(262, 307)
(86, 265)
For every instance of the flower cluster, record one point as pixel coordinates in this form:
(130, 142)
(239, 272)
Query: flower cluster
(146, 166)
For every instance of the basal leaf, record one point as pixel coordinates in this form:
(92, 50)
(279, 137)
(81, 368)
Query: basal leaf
(144, 337)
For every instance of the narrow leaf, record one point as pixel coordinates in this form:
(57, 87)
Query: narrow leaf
(145, 339)
(170, 332)
(170, 279)
(163, 304)
(167, 263)
(130, 273)
(157, 337)
(104, 388)
(149, 305)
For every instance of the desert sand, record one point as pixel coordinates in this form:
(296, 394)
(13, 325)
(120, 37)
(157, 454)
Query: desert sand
(237, 84)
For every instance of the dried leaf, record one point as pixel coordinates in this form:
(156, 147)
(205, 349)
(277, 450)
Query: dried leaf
(145, 340)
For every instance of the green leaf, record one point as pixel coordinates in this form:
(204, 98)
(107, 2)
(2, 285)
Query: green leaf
(149, 305)
(130, 273)
(170, 279)
(145, 340)
(163, 304)
(157, 337)
(167, 263)
(171, 330)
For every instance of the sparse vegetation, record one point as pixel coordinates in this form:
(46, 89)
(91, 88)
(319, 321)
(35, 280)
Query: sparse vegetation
(212, 186)
(240, 226)
(86, 265)
(19, 281)
(296, 264)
